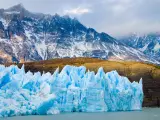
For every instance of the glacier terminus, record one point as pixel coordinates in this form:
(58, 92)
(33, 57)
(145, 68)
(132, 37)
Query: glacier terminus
(73, 89)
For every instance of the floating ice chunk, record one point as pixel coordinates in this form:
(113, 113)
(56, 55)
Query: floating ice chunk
(71, 90)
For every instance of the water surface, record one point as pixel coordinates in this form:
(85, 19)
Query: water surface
(145, 114)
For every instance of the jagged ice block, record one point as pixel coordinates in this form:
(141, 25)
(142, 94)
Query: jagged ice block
(71, 90)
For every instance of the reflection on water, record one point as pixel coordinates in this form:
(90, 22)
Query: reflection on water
(145, 114)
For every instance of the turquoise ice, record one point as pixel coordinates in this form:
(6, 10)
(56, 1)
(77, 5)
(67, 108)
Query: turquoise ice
(72, 90)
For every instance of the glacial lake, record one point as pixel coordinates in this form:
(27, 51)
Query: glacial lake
(145, 114)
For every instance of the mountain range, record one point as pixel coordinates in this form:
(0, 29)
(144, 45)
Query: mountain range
(149, 44)
(28, 36)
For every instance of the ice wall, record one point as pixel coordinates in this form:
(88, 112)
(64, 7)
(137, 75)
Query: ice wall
(71, 90)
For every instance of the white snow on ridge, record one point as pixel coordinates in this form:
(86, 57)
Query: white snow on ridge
(13, 12)
(144, 48)
(41, 49)
(5, 23)
(157, 47)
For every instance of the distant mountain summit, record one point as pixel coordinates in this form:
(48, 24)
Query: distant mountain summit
(149, 44)
(27, 36)
(18, 8)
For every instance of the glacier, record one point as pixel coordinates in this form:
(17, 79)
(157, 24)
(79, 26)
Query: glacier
(73, 89)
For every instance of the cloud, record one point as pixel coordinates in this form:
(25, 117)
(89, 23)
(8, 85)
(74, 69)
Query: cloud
(77, 11)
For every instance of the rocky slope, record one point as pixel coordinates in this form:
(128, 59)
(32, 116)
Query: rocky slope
(27, 36)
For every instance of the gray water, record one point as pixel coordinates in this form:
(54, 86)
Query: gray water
(145, 114)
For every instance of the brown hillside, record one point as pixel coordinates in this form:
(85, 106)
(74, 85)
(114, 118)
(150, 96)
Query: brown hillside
(133, 70)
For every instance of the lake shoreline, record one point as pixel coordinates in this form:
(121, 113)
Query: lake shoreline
(145, 114)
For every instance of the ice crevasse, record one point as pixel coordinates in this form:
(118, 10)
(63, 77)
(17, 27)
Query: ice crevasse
(72, 90)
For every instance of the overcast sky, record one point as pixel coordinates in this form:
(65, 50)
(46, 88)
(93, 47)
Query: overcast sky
(115, 17)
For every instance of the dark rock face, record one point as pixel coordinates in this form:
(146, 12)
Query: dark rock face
(36, 37)
(1, 26)
(15, 27)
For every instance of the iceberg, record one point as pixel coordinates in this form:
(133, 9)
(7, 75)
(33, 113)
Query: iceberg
(74, 89)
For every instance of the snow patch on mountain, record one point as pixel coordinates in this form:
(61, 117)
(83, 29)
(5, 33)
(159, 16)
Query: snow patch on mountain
(157, 47)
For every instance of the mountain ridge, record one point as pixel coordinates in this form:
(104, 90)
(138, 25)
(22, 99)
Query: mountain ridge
(149, 43)
(27, 36)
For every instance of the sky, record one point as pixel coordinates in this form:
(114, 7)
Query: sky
(115, 17)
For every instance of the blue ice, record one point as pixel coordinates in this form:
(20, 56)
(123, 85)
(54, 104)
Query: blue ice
(72, 90)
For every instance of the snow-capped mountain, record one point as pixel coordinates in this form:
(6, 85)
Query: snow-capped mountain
(149, 44)
(34, 36)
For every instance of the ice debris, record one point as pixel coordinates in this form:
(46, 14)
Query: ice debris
(71, 90)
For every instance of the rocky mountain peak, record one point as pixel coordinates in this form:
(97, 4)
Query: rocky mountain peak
(18, 8)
